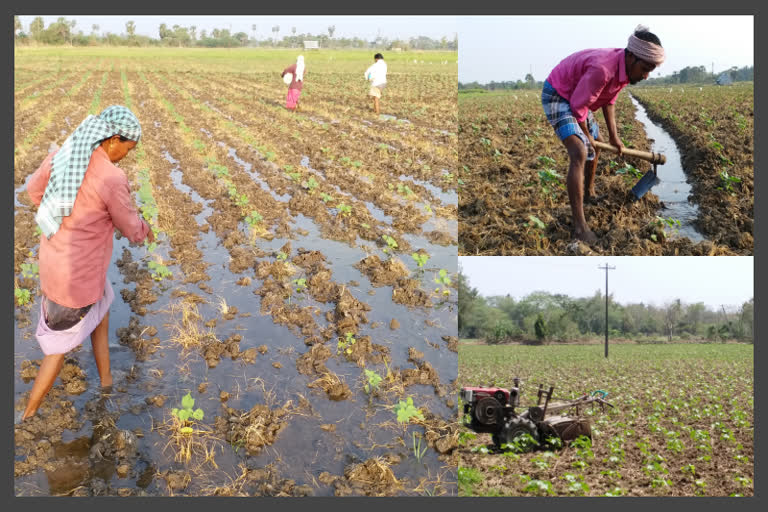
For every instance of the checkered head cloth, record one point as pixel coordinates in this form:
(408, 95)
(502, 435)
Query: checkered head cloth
(71, 162)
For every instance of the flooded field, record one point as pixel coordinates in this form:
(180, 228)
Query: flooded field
(302, 290)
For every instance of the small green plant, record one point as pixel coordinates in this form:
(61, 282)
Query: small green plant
(310, 184)
(442, 278)
(344, 346)
(427, 208)
(420, 259)
(241, 200)
(664, 223)
(391, 243)
(344, 209)
(406, 411)
(418, 450)
(23, 296)
(29, 270)
(281, 256)
(186, 412)
(467, 477)
(294, 176)
(727, 181)
(404, 190)
(373, 380)
(466, 436)
(301, 284)
(549, 180)
(325, 197)
(158, 271)
(253, 218)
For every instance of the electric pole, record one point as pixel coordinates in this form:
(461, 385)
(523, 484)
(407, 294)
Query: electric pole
(606, 268)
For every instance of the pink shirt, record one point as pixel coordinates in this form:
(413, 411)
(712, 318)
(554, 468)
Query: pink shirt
(590, 79)
(73, 263)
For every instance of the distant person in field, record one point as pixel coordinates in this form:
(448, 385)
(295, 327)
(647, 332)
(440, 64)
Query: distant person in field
(580, 84)
(296, 71)
(377, 75)
(81, 197)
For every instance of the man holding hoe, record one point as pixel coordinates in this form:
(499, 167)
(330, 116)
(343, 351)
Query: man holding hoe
(580, 84)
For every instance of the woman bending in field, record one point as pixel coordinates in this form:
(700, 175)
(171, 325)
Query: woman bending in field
(82, 197)
(582, 83)
(297, 71)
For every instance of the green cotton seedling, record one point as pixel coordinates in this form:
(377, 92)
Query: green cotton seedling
(464, 437)
(220, 171)
(158, 271)
(29, 270)
(428, 209)
(23, 296)
(345, 160)
(373, 380)
(391, 244)
(186, 412)
(281, 256)
(231, 190)
(727, 181)
(420, 259)
(365, 225)
(310, 184)
(325, 197)
(443, 278)
(406, 411)
(241, 200)
(357, 164)
(344, 209)
(549, 180)
(629, 173)
(344, 346)
(294, 176)
(38, 231)
(447, 176)
(325, 150)
(523, 443)
(301, 284)
(664, 223)
(253, 218)
(404, 190)
(270, 155)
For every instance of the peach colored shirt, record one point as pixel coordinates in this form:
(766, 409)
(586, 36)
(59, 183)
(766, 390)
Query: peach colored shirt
(73, 262)
(590, 79)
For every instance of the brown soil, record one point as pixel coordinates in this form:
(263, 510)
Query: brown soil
(254, 429)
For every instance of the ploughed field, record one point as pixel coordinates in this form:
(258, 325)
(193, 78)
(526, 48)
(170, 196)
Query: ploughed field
(301, 290)
(683, 422)
(513, 175)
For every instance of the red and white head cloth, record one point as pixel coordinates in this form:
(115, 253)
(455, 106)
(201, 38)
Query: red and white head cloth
(645, 50)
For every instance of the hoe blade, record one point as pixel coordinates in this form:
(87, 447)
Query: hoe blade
(644, 185)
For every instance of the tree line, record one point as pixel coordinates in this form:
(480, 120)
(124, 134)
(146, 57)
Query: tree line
(541, 317)
(62, 32)
(687, 75)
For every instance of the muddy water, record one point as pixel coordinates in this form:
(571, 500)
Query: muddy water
(303, 449)
(673, 191)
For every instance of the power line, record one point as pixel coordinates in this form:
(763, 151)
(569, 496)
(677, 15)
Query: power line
(606, 268)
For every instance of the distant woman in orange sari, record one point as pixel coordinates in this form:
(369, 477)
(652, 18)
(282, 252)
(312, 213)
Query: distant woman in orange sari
(296, 71)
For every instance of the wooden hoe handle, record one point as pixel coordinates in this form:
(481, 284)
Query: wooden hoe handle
(654, 158)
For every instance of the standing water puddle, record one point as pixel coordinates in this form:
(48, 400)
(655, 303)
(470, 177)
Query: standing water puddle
(673, 190)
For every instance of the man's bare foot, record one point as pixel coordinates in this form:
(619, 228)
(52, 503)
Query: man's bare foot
(594, 198)
(586, 236)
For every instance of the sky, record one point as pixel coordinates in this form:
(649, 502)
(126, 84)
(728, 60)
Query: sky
(364, 27)
(502, 48)
(713, 280)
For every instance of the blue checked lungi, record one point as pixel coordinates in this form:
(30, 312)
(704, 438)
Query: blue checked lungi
(560, 116)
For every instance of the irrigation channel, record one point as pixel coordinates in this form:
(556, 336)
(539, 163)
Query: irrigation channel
(674, 189)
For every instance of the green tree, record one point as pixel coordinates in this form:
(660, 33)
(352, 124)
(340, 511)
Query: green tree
(36, 28)
(130, 28)
(16, 25)
(541, 329)
(331, 30)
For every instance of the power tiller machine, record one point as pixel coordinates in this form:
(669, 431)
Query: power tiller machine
(494, 411)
